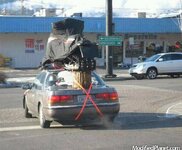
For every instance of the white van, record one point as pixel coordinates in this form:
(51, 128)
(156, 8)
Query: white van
(159, 64)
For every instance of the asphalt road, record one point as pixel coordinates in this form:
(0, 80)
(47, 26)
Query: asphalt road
(141, 123)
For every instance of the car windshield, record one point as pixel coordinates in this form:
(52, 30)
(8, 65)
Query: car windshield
(152, 58)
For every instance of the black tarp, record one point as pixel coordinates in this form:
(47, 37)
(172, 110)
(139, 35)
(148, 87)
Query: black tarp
(66, 39)
(70, 26)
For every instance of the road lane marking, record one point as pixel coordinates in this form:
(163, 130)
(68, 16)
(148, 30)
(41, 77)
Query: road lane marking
(24, 128)
(19, 128)
(172, 115)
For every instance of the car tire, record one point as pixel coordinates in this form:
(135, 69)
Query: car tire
(138, 77)
(43, 122)
(151, 73)
(175, 76)
(26, 113)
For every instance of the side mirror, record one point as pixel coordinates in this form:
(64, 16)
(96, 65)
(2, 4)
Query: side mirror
(27, 86)
(160, 59)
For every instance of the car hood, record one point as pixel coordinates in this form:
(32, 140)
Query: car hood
(144, 63)
(137, 64)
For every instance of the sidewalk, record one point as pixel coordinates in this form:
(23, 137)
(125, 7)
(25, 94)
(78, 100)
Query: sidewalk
(121, 74)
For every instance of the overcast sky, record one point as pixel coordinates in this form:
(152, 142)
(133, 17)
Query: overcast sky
(101, 3)
(120, 7)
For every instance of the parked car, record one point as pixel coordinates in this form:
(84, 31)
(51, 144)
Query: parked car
(51, 98)
(159, 64)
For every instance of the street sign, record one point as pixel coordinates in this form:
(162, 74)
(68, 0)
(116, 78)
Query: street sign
(131, 41)
(110, 40)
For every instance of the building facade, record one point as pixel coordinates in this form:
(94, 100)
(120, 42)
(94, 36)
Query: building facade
(24, 39)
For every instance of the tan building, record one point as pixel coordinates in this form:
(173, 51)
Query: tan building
(24, 39)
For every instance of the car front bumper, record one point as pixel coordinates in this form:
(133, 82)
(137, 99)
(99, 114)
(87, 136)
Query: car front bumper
(137, 71)
(69, 113)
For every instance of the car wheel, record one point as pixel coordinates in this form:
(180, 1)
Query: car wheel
(175, 76)
(27, 114)
(138, 77)
(151, 73)
(43, 122)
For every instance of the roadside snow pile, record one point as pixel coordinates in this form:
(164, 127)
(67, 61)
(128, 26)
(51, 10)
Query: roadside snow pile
(3, 82)
(2, 78)
(6, 82)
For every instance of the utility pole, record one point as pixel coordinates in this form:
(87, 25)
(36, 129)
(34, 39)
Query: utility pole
(180, 16)
(109, 53)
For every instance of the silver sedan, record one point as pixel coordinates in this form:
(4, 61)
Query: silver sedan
(51, 98)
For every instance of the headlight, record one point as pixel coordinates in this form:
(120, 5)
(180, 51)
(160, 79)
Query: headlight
(141, 65)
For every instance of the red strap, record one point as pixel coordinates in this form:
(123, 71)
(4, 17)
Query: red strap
(84, 104)
(85, 101)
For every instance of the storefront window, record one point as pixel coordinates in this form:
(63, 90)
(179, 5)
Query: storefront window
(154, 48)
(134, 50)
(176, 47)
